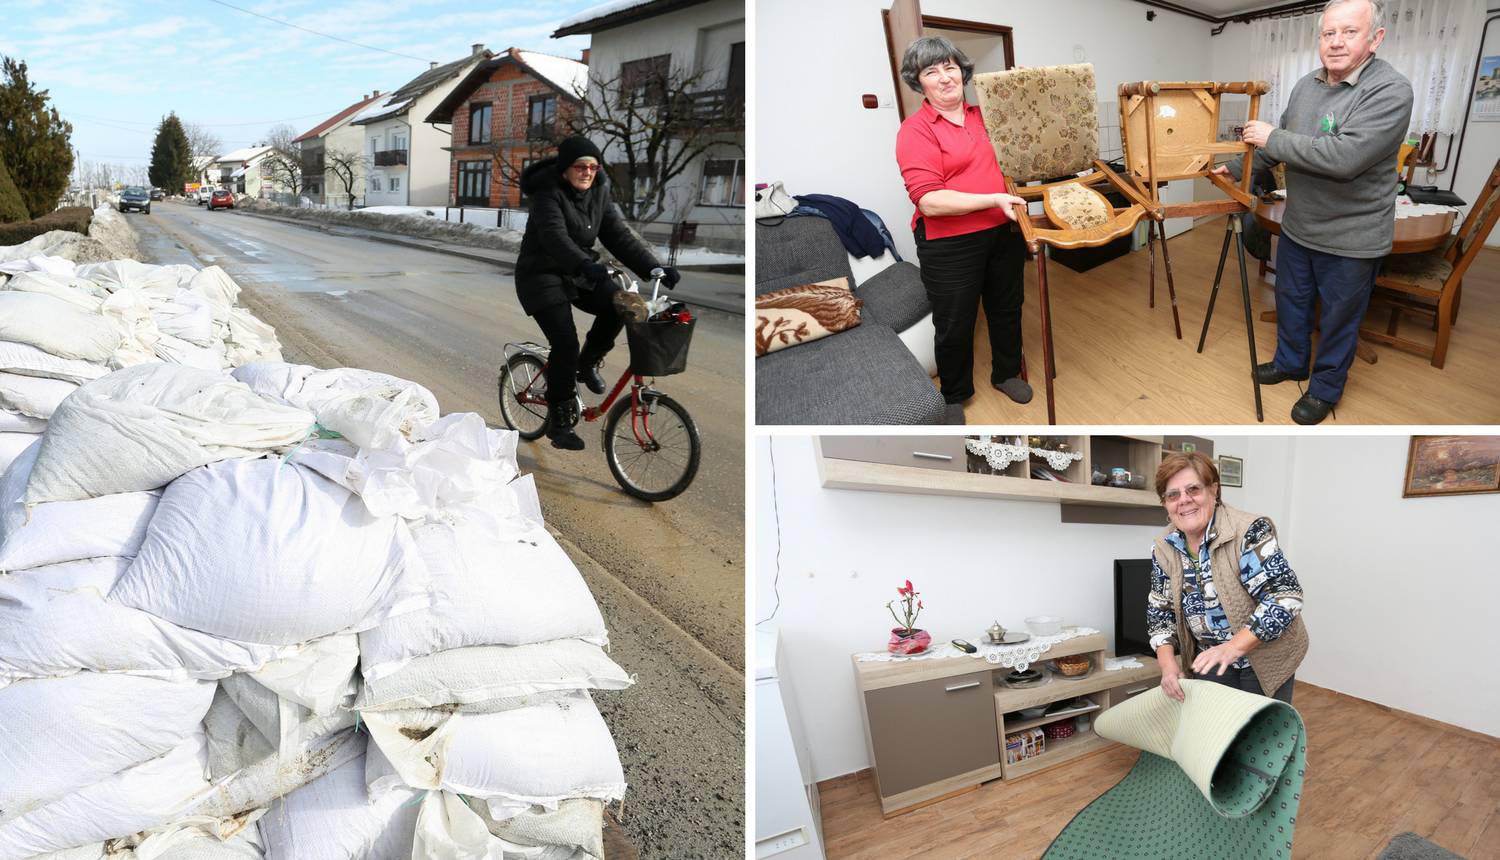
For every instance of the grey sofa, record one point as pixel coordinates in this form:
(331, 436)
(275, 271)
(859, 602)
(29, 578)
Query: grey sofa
(863, 375)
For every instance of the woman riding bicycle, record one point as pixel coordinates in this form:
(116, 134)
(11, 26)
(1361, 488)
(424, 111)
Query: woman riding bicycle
(558, 269)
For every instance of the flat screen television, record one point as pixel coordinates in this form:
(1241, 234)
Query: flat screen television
(1132, 584)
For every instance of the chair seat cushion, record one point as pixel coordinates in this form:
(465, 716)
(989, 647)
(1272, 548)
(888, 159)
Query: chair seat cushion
(1427, 272)
(864, 375)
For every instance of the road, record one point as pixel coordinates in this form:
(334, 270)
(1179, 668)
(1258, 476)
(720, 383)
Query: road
(669, 577)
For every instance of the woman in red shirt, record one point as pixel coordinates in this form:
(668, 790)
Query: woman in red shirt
(968, 250)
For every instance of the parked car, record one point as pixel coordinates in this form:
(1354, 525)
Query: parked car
(221, 199)
(135, 197)
(202, 194)
(158, 194)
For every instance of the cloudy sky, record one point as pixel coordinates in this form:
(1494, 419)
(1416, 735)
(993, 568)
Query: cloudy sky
(114, 68)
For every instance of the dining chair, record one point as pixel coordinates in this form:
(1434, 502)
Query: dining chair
(1429, 284)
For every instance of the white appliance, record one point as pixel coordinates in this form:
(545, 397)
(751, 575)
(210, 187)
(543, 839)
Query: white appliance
(787, 825)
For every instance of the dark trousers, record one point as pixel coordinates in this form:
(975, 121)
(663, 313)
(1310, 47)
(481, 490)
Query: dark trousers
(1304, 279)
(556, 322)
(959, 272)
(1244, 679)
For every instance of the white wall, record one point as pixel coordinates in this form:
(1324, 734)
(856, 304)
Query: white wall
(1365, 557)
(812, 133)
(384, 133)
(1403, 594)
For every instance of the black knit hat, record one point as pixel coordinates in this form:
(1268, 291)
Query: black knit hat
(574, 148)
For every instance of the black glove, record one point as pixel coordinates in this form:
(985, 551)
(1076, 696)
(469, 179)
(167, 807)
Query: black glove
(670, 277)
(596, 273)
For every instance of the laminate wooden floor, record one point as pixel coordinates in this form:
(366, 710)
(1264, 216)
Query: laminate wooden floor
(1118, 361)
(1372, 773)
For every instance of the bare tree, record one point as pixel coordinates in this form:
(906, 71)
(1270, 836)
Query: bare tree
(202, 143)
(284, 164)
(346, 167)
(652, 123)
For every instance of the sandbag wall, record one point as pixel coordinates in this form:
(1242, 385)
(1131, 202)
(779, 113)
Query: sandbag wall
(262, 610)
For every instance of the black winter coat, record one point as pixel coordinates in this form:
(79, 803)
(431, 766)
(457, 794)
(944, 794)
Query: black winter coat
(560, 231)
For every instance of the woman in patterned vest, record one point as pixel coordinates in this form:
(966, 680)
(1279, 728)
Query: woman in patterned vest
(1222, 594)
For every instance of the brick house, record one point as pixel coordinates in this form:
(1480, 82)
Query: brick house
(509, 111)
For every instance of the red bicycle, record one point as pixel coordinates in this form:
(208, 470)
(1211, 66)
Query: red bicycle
(654, 455)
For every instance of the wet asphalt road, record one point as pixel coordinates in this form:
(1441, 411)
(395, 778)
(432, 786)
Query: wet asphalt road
(669, 577)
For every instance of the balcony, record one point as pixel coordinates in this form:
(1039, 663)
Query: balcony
(724, 107)
(390, 157)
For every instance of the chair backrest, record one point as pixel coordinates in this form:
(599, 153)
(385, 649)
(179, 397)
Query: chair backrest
(1043, 122)
(1481, 219)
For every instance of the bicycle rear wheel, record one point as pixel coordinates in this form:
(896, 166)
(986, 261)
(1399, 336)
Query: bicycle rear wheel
(523, 395)
(661, 466)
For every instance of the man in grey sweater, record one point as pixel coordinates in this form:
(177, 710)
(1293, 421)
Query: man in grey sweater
(1339, 136)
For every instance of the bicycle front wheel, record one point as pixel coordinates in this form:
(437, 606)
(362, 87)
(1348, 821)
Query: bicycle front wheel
(523, 395)
(653, 452)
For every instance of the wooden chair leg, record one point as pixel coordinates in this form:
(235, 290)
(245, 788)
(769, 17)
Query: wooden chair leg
(1445, 316)
(1048, 371)
(1151, 255)
(1166, 260)
(1458, 292)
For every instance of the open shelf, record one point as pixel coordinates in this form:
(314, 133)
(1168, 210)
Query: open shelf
(1022, 725)
(1058, 752)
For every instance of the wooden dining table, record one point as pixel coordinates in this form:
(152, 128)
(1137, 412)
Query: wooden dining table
(1414, 235)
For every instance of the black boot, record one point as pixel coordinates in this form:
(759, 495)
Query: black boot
(560, 420)
(588, 373)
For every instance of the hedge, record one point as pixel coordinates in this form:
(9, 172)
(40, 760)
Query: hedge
(75, 218)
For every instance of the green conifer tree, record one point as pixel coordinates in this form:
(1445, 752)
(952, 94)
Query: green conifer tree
(35, 142)
(171, 156)
(12, 207)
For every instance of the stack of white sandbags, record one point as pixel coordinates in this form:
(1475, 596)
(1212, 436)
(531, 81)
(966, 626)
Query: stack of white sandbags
(401, 651)
(63, 324)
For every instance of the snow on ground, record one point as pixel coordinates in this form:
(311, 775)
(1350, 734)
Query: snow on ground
(424, 211)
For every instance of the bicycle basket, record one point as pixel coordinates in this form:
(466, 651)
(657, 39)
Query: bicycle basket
(659, 347)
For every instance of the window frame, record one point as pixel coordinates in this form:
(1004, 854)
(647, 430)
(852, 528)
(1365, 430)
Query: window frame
(486, 134)
(736, 183)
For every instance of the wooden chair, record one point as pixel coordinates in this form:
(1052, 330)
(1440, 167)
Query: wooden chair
(1170, 131)
(1429, 284)
(1044, 123)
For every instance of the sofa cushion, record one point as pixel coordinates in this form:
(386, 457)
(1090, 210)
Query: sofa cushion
(803, 314)
(862, 376)
(798, 251)
(895, 297)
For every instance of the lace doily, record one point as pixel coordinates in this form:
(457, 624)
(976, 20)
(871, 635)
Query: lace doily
(1018, 656)
(998, 454)
(1405, 208)
(1001, 454)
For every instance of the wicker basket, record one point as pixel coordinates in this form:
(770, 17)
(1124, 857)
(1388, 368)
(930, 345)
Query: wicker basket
(1076, 664)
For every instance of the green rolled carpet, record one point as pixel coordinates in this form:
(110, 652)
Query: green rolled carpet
(1220, 776)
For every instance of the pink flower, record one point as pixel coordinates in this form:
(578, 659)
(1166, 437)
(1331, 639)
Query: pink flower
(906, 590)
(919, 605)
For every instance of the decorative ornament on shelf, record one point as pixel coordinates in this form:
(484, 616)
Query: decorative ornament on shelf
(907, 639)
(998, 454)
(1058, 460)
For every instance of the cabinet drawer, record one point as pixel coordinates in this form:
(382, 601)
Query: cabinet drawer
(926, 452)
(1130, 691)
(929, 731)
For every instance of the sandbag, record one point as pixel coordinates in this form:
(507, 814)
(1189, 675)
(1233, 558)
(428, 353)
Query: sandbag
(466, 676)
(257, 785)
(55, 621)
(33, 395)
(15, 422)
(160, 282)
(513, 760)
(333, 819)
(449, 829)
(81, 292)
(372, 410)
(179, 351)
(23, 358)
(214, 284)
(503, 583)
(147, 795)
(61, 734)
(250, 339)
(12, 443)
(318, 675)
(57, 326)
(15, 259)
(141, 427)
(576, 825)
(266, 551)
(188, 316)
(56, 532)
(285, 723)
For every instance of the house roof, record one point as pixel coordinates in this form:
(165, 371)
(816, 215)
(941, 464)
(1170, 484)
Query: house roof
(569, 77)
(327, 124)
(617, 13)
(400, 100)
(246, 154)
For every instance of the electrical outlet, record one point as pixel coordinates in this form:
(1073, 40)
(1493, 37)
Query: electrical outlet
(773, 845)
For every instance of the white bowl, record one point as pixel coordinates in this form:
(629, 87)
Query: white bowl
(1044, 625)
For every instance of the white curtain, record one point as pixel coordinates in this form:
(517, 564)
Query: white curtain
(1431, 42)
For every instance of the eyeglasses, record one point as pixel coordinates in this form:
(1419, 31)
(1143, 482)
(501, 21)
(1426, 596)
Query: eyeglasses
(585, 167)
(1193, 491)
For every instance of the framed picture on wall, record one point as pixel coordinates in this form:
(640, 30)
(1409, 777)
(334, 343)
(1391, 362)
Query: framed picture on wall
(1231, 471)
(1452, 465)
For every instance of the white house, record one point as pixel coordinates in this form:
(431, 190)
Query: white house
(409, 164)
(332, 135)
(240, 171)
(636, 41)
